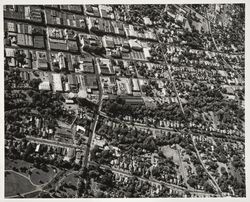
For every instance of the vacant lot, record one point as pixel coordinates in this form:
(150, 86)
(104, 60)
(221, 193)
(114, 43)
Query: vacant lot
(39, 176)
(16, 184)
(169, 152)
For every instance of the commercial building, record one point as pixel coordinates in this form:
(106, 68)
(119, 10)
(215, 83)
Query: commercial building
(118, 28)
(108, 85)
(124, 86)
(132, 100)
(57, 82)
(90, 81)
(72, 8)
(41, 60)
(63, 18)
(70, 154)
(90, 42)
(108, 42)
(72, 81)
(105, 66)
(92, 10)
(99, 25)
(135, 85)
(106, 11)
(135, 44)
(21, 12)
(45, 85)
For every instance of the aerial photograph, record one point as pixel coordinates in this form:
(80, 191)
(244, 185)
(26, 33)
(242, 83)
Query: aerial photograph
(124, 101)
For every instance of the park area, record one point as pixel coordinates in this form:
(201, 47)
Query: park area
(22, 177)
(18, 166)
(40, 177)
(16, 184)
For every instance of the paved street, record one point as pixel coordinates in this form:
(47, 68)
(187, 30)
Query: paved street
(52, 143)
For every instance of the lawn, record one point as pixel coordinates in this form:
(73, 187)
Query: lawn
(16, 184)
(39, 176)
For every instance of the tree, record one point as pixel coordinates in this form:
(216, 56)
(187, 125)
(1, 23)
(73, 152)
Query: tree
(237, 162)
(93, 152)
(107, 179)
(128, 194)
(80, 187)
(161, 154)
(192, 181)
(83, 172)
(34, 83)
(209, 187)
(156, 172)
(93, 173)
(223, 171)
(149, 144)
(99, 194)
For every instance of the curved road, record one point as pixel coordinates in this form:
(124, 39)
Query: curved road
(38, 188)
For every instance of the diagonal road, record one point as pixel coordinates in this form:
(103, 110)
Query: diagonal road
(177, 94)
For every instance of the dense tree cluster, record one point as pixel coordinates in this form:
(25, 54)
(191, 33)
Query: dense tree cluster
(129, 139)
(118, 108)
(137, 12)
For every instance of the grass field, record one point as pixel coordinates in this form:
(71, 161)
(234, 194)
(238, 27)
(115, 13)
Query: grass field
(39, 176)
(16, 184)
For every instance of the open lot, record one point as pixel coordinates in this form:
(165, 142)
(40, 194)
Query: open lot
(169, 152)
